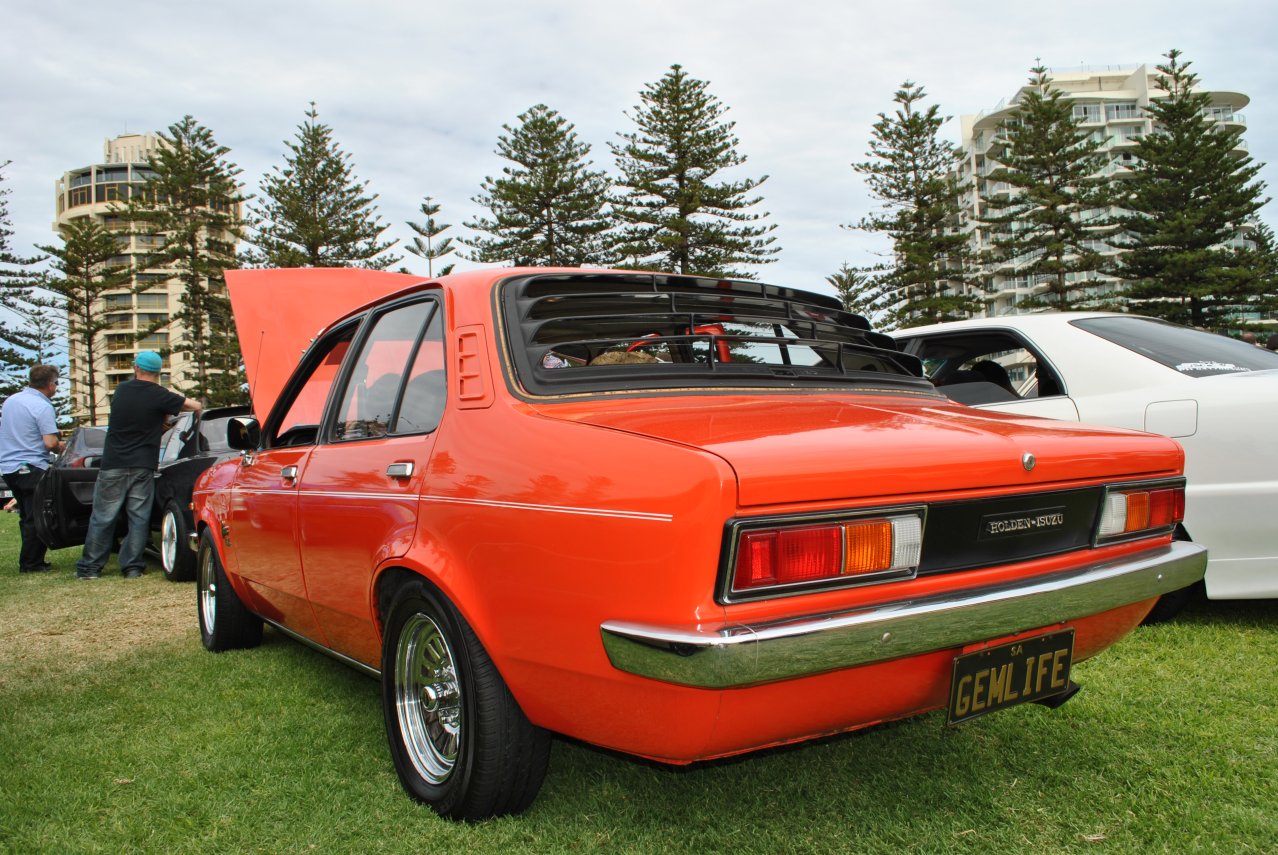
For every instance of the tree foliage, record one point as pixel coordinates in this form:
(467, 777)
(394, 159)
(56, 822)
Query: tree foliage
(679, 214)
(85, 266)
(910, 171)
(426, 242)
(1191, 191)
(549, 207)
(856, 290)
(314, 211)
(191, 205)
(1046, 226)
(17, 339)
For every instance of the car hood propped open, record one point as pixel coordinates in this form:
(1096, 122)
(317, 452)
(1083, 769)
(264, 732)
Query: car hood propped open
(279, 312)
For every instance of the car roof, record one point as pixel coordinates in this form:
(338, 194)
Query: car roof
(1010, 322)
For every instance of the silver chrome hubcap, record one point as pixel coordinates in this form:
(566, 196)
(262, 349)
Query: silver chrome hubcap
(208, 590)
(168, 542)
(428, 698)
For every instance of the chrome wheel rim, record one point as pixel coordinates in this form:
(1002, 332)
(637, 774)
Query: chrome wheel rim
(168, 543)
(208, 590)
(428, 698)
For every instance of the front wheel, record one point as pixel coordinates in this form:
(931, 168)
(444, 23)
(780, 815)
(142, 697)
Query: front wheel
(225, 622)
(175, 555)
(459, 740)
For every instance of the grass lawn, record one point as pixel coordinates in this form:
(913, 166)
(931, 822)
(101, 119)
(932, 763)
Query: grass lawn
(119, 733)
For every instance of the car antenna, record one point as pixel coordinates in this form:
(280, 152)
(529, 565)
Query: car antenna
(261, 334)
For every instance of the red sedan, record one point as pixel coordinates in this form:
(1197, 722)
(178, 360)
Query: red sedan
(674, 516)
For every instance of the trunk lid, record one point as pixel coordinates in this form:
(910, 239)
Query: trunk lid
(822, 447)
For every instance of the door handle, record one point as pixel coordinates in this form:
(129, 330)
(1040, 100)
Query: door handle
(400, 470)
(289, 473)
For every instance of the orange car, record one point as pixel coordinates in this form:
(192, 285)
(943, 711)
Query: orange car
(674, 516)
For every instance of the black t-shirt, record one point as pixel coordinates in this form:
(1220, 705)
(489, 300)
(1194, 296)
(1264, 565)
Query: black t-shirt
(137, 423)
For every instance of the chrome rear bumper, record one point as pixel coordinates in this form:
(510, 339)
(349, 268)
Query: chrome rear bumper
(735, 655)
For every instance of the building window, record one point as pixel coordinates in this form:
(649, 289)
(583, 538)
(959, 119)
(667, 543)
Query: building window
(1087, 113)
(152, 301)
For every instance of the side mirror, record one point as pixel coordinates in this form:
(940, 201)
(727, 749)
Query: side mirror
(243, 433)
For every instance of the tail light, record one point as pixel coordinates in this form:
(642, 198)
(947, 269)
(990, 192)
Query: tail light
(1141, 510)
(770, 559)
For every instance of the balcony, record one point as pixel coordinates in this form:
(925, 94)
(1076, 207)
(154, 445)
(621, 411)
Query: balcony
(1123, 113)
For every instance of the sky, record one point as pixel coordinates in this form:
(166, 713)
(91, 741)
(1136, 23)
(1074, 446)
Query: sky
(417, 92)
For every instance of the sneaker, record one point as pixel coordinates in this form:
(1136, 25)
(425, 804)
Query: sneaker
(88, 575)
(39, 568)
(133, 573)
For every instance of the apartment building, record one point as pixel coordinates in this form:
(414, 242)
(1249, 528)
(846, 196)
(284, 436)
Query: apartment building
(139, 315)
(1110, 102)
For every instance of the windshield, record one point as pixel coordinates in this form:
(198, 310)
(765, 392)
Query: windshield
(1191, 352)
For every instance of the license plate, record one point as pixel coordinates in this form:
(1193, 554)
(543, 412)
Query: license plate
(999, 677)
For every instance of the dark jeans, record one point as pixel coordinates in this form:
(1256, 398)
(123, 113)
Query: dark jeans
(33, 551)
(133, 490)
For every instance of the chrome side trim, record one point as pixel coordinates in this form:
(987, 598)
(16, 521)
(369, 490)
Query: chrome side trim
(375, 673)
(732, 655)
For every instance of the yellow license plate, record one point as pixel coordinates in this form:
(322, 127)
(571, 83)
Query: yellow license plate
(999, 677)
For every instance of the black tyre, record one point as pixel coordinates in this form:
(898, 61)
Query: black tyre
(225, 623)
(1171, 604)
(176, 557)
(459, 740)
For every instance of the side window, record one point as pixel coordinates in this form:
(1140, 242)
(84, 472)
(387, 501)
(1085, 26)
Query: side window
(300, 422)
(171, 443)
(986, 367)
(379, 373)
(422, 405)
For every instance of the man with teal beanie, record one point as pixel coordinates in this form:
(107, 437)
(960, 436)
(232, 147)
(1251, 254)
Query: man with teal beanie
(126, 479)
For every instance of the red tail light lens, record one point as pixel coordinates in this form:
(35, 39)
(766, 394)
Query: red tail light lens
(787, 556)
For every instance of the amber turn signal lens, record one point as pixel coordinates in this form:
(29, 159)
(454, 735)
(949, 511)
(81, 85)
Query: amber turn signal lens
(869, 547)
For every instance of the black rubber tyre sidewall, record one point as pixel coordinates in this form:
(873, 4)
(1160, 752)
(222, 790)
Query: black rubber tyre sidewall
(416, 597)
(489, 712)
(234, 626)
(183, 569)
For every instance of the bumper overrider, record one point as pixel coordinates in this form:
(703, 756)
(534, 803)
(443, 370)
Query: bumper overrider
(730, 656)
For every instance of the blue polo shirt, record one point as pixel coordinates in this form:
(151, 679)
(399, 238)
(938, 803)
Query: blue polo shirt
(26, 419)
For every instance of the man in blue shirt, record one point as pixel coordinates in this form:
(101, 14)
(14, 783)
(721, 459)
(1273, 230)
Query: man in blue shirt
(28, 432)
(126, 476)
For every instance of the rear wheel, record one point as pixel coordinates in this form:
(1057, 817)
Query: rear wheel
(1172, 603)
(459, 740)
(175, 555)
(225, 622)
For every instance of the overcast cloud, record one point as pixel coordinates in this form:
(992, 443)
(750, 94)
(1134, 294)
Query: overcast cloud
(417, 92)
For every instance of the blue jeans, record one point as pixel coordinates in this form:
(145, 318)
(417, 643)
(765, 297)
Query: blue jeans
(133, 489)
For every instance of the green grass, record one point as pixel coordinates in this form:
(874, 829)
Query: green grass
(137, 740)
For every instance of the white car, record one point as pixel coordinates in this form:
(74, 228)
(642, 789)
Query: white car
(1216, 395)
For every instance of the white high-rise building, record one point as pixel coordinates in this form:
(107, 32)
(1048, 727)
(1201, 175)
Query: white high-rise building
(1111, 102)
(149, 302)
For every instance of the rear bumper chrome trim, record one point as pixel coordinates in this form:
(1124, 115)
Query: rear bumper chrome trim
(733, 655)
